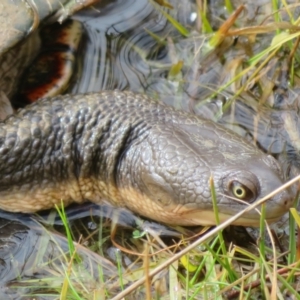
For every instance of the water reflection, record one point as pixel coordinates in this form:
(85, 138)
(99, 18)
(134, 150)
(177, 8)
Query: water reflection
(34, 251)
(35, 258)
(121, 54)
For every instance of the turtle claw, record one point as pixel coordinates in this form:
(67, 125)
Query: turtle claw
(5, 107)
(71, 8)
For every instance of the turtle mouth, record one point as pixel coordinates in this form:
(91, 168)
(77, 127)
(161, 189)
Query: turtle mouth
(189, 215)
(207, 218)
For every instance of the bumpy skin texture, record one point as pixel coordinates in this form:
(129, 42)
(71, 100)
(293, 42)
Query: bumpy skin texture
(131, 151)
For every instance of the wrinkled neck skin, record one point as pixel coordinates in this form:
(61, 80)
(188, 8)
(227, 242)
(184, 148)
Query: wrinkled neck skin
(118, 153)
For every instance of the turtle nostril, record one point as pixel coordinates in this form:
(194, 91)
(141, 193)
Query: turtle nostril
(288, 202)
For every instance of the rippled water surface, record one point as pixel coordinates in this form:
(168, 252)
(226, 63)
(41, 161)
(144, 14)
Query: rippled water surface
(119, 51)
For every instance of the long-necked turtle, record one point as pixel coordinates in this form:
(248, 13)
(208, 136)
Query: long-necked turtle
(133, 152)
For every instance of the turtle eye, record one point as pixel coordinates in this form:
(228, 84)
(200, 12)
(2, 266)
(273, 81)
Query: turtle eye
(241, 185)
(240, 191)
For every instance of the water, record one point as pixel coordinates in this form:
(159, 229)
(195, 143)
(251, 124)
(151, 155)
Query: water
(118, 52)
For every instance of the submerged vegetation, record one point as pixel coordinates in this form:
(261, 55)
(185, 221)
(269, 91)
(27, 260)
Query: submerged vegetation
(111, 254)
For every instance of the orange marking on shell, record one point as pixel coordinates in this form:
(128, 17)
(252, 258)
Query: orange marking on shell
(51, 71)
